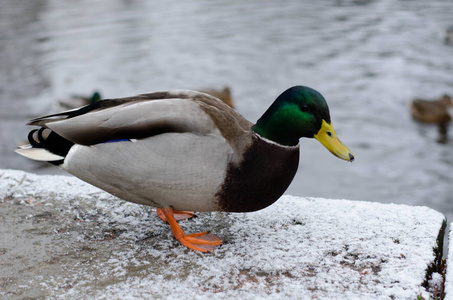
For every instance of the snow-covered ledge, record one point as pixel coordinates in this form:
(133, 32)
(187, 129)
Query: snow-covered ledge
(62, 238)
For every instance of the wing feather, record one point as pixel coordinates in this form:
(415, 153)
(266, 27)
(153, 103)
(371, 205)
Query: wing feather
(149, 115)
(129, 118)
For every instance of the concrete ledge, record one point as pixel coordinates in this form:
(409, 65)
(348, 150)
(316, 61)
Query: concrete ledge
(61, 238)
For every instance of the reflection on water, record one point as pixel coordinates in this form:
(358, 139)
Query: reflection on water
(368, 58)
(22, 72)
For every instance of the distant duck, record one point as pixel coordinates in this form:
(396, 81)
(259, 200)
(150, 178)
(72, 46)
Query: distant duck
(449, 35)
(224, 95)
(433, 111)
(75, 101)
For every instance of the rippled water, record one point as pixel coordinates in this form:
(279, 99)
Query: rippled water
(368, 58)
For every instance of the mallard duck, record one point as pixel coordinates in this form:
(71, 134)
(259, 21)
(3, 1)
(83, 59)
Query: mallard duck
(224, 95)
(448, 35)
(183, 151)
(433, 111)
(75, 101)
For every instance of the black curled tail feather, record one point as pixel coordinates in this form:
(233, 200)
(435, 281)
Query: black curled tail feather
(32, 141)
(51, 141)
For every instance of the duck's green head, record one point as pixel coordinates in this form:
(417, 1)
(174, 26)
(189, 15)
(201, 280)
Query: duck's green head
(301, 112)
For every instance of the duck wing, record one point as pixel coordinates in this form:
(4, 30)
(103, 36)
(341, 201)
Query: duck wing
(147, 115)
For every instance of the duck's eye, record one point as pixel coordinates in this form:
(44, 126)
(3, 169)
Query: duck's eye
(329, 133)
(305, 108)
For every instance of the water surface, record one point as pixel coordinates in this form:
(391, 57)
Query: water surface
(368, 58)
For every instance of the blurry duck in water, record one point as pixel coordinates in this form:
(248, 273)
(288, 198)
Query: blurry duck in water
(224, 95)
(448, 35)
(78, 101)
(433, 111)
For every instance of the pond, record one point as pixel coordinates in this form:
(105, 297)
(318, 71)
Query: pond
(368, 58)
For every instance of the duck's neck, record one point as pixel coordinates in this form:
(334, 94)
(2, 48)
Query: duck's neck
(269, 127)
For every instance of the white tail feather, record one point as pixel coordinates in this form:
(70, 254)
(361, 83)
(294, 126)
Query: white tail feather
(38, 154)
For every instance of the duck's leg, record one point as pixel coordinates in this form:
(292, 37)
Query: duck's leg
(179, 215)
(202, 241)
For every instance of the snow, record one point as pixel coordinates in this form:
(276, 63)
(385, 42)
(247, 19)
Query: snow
(449, 275)
(63, 238)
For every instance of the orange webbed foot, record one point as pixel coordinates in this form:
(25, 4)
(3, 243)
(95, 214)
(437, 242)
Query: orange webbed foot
(202, 241)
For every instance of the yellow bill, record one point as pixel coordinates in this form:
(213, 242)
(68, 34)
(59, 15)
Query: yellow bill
(327, 136)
